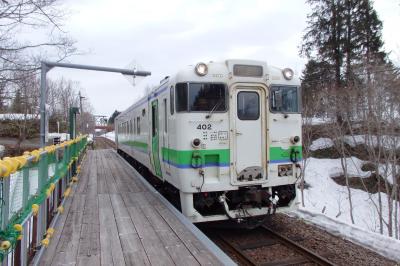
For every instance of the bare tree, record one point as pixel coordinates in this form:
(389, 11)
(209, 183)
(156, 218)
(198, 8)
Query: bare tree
(337, 129)
(45, 18)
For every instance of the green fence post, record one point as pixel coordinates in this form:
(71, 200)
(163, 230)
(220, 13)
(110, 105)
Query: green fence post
(68, 162)
(73, 158)
(43, 177)
(5, 194)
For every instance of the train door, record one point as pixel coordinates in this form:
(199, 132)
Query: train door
(249, 134)
(165, 139)
(155, 138)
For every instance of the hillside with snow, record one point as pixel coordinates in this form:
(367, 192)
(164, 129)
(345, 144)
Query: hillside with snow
(326, 203)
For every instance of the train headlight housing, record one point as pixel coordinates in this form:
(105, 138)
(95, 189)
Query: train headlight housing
(196, 143)
(201, 69)
(294, 139)
(287, 73)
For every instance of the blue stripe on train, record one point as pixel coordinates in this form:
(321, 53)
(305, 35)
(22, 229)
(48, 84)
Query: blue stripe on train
(187, 166)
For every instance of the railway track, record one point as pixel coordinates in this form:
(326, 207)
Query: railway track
(103, 143)
(263, 246)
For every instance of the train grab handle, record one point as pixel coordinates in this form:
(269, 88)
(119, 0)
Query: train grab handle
(294, 156)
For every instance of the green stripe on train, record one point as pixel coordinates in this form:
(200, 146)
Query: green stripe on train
(136, 144)
(221, 156)
(277, 153)
(184, 157)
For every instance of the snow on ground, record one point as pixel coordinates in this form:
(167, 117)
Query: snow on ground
(388, 142)
(16, 116)
(110, 135)
(62, 136)
(316, 120)
(388, 247)
(386, 171)
(327, 204)
(325, 196)
(321, 143)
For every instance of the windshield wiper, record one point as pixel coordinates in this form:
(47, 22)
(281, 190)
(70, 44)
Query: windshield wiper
(214, 108)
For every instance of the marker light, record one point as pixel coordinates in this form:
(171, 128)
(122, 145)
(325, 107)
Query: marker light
(294, 139)
(201, 69)
(287, 73)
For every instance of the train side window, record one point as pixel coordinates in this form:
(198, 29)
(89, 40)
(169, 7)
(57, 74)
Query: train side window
(138, 125)
(165, 116)
(285, 99)
(181, 97)
(134, 126)
(171, 100)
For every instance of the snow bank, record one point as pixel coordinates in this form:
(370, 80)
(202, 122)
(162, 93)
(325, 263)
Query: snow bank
(386, 246)
(316, 120)
(110, 135)
(321, 143)
(62, 136)
(327, 197)
(386, 171)
(11, 116)
(388, 142)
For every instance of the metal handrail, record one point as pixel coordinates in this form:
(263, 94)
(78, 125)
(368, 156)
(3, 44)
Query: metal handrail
(32, 189)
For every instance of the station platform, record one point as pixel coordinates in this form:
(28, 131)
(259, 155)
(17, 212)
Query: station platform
(114, 217)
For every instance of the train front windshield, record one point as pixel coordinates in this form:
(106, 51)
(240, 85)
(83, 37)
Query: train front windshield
(285, 99)
(201, 97)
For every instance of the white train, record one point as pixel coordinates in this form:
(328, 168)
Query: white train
(225, 135)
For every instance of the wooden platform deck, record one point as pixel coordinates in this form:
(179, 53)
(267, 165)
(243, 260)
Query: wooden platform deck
(114, 219)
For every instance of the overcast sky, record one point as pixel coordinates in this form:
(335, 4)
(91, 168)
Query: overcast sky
(162, 36)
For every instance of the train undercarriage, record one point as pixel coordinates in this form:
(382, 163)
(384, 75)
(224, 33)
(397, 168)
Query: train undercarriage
(249, 205)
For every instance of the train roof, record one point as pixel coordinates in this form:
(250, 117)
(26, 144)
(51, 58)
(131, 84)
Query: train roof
(220, 71)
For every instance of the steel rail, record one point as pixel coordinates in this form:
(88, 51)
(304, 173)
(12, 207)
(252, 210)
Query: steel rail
(305, 255)
(311, 255)
(239, 254)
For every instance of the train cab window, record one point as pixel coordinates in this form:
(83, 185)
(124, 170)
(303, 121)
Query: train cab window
(201, 97)
(248, 105)
(285, 99)
(181, 97)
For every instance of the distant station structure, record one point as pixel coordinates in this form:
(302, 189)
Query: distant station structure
(101, 123)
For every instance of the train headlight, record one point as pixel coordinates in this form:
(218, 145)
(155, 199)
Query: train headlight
(196, 142)
(201, 69)
(287, 73)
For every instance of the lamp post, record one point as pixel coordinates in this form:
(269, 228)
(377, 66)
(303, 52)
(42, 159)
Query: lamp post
(47, 66)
